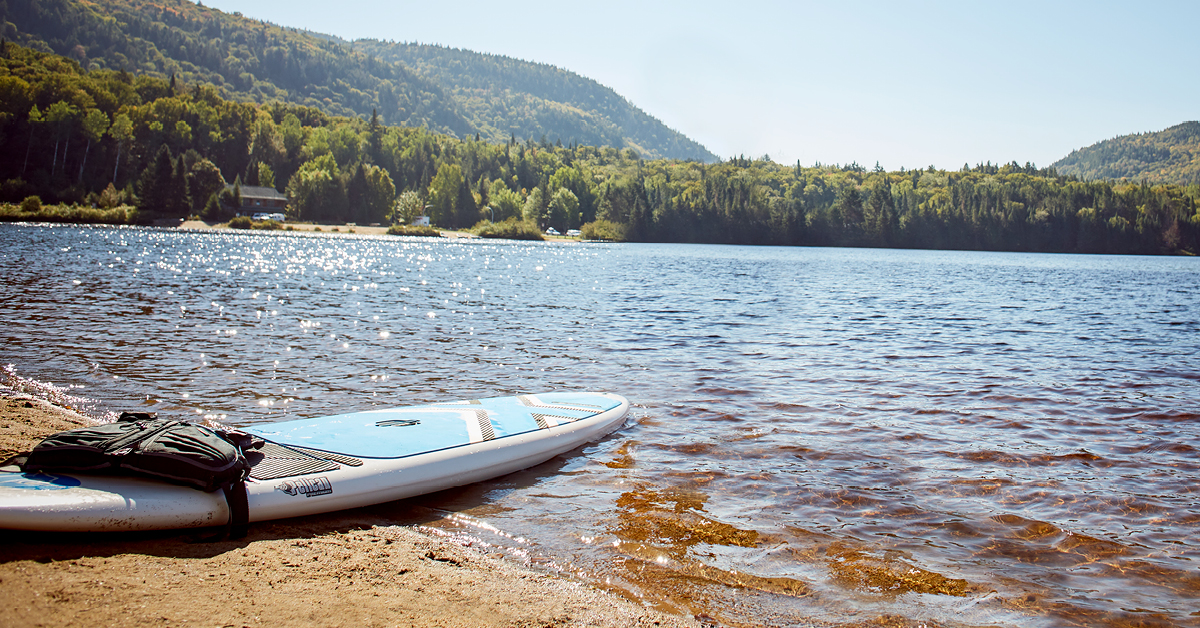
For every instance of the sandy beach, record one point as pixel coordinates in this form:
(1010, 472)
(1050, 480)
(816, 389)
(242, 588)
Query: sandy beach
(301, 226)
(342, 569)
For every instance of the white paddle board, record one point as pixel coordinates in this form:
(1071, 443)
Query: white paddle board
(331, 463)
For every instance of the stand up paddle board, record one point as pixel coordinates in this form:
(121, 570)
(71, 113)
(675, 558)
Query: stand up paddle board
(332, 463)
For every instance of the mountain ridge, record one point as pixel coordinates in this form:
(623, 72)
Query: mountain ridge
(247, 60)
(1168, 156)
(551, 91)
(257, 61)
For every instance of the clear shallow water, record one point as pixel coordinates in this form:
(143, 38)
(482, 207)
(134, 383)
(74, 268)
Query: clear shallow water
(821, 435)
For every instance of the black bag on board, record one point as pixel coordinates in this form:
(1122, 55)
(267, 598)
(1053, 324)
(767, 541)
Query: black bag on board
(138, 443)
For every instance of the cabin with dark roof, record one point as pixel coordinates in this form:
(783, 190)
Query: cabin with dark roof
(256, 199)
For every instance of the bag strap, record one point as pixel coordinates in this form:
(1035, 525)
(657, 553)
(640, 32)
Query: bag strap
(239, 509)
(137, 416)
(236, 496)
(128, 443)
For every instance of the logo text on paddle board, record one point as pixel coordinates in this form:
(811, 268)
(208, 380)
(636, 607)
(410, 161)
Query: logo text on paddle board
(308, 487)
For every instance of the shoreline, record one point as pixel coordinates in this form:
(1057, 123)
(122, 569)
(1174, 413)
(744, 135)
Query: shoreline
(201, 225)
(351, 568)
(292, 227)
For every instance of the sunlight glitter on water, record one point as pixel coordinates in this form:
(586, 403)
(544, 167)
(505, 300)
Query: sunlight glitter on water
(818, 435)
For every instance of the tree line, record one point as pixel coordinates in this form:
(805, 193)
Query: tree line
(105, 137)
(456, 92)
(1167, 156)
(504, 97)
(243, 60)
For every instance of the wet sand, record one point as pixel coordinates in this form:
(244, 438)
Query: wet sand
(341, 569)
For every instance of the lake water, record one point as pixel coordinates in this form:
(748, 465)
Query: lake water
(820, 436)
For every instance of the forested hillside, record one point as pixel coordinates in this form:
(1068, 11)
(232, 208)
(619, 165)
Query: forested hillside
(105, 137)
(1170, 156)
(252, 61)
(507, 97)
(245, 60)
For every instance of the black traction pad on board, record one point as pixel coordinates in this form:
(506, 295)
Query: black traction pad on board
(274, 461)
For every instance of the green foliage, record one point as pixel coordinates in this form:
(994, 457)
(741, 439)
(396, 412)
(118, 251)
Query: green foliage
(603, 230)
(413, 230)
(111, 197)
(504, 97)
(31, 205)
(246, 222)
(407, 206)
(510, 229)
(120, 215)
(249, 60)
(1170, 156)
(450, 201)
(371, 194)
(267, 225)
(316, 191)
(504, 202)
(212, 208)
(266, 176)
(163, 186)
(563, 210)
(536, 204)
(576, 180)
(451, 91)
(204, 183)
(339, 170)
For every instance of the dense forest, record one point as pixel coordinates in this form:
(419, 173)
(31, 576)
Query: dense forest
(251, 61)
(1169, 156)
(105, 137)
(507, 97)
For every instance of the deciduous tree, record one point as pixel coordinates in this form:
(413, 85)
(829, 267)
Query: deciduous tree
(95, 123)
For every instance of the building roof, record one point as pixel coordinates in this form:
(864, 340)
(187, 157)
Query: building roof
(254, 191)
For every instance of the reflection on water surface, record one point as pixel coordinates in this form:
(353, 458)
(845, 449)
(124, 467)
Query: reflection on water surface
(821, 436)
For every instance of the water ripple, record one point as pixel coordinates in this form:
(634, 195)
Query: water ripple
(819, 435)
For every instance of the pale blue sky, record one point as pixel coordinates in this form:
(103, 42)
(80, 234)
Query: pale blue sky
(903, 83)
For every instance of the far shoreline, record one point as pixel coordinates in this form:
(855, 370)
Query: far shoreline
(201, 225)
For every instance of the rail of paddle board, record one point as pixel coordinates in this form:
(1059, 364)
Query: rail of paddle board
(133, 504)
(383, 480)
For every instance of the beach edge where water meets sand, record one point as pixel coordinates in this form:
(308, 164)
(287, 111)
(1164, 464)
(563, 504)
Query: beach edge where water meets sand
(342, 569)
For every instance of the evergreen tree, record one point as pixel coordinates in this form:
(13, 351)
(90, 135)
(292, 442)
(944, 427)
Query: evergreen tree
(356, 194)
(465, 210)
(156, 184)
(179, 199)
(375, 133)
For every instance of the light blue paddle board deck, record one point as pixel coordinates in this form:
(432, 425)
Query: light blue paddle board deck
(400, 432)
(330, 463)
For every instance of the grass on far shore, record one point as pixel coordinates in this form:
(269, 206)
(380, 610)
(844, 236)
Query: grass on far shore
(511, 229)
(413, 230)
(29, 212)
